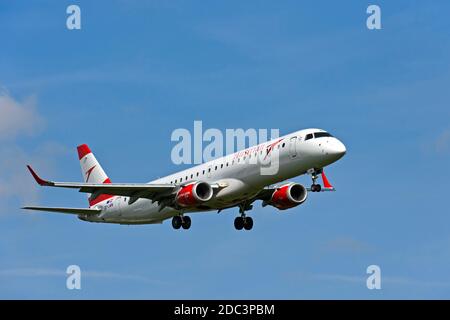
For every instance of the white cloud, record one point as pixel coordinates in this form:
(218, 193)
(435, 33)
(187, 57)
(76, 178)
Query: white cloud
(17, 187)
(442, 143)
(31, 272)
(388, 280)
(18, 118)
(14, 179)
(47, 272)
(345, 244)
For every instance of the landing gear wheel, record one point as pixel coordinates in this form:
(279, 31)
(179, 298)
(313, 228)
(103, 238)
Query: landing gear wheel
(239, 223)
(248, 223)
(177, 222)
(186, 224)
(315, 187)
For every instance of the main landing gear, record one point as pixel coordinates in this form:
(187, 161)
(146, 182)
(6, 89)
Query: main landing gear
(244, 222)
(181, 222)
(315, 187)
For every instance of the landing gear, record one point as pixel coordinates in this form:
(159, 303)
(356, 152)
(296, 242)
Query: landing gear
(239, 223)
(245, 207)
(315, 187)
(177, 222)
(248, 223)
(181, 221)
(243, 223)
(186, 224)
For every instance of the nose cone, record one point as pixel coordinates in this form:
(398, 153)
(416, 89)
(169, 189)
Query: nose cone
(336, 149)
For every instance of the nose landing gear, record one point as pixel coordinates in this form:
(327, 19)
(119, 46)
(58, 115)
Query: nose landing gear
(315, 187)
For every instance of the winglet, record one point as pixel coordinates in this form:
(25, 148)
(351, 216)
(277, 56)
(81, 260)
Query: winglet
(37, 178)
(326, 183)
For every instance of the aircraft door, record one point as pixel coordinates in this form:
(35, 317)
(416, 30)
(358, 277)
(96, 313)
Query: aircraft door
(293, 148)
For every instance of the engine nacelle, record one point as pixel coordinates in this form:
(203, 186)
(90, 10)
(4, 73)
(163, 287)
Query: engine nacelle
(194, 194)
(288, 196)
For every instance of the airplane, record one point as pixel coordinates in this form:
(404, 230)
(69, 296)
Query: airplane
(235, 180)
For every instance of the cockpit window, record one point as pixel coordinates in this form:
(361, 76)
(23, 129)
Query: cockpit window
(322, 134)
(309, 136)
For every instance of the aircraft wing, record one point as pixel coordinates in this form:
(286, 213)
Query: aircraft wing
(65, 210)
(132, 190)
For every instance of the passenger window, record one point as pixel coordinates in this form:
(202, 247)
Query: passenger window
(283, 144)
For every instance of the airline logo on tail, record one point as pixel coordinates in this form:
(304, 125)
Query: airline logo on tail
(88, 173)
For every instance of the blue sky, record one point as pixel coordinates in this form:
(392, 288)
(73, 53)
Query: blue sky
(136, 71)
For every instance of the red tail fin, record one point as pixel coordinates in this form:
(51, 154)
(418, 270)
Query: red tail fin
(92, 172)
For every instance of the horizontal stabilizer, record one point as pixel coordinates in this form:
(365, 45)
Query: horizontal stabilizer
(65, 210)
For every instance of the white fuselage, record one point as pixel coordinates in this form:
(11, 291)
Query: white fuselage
(240, 176)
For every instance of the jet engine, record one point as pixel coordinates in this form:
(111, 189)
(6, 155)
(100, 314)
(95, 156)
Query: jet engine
(288, 196)
(194, 194)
